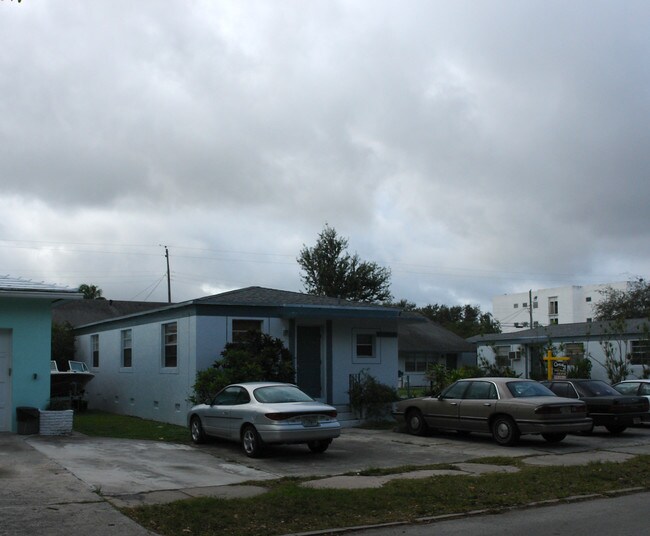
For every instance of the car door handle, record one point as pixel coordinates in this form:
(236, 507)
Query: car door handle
(453, 403)
(487, 404)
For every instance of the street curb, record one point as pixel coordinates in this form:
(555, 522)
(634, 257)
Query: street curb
(472, 513)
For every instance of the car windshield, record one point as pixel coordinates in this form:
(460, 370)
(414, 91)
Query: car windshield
(595, 388)
(526, 389)
(280, 394)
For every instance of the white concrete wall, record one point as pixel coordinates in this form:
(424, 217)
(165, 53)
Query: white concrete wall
(147, 389)
(383, 367)
(572, 305)
(593, 351)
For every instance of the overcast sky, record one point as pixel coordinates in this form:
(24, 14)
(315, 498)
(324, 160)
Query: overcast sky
(474, 148)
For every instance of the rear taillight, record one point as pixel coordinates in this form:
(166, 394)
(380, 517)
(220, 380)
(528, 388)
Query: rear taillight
(283, 416)
(547, 410)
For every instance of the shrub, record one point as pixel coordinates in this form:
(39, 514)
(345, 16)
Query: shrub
(370, 398)
(258, 357)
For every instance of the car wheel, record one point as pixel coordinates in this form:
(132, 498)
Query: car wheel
(554, 438)
(319, 446)
(415, 423)
(251, 441)
(616, 429)
(505, 431)
(196, 430)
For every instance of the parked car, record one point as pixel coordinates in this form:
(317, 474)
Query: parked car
(261, 413)
(505, 407)
(605, 405)
(635, 387)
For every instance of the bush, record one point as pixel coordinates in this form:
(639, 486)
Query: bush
(370, 398)
(580, 369)
(258, 357)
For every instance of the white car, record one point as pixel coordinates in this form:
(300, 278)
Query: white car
(635, 387)
(261, 413)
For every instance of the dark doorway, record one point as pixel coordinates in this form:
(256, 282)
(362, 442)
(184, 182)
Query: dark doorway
(308, 360)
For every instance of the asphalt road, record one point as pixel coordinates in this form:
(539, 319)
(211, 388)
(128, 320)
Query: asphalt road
(600, 517)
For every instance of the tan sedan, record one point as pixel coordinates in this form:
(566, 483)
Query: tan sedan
(505, 407)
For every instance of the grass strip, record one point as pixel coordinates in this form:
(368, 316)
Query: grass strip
(289, 507)
(102, 424)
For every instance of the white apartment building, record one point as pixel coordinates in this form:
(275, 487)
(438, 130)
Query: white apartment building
(562, 305)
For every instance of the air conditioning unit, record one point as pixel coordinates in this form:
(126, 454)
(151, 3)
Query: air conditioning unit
(515, 351)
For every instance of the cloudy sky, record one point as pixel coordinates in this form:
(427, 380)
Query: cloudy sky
(475, 148)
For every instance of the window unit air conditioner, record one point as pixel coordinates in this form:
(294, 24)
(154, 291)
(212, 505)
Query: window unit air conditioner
(515, 351)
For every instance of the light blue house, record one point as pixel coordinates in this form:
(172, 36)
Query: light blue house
(25, 344)
(145, 363)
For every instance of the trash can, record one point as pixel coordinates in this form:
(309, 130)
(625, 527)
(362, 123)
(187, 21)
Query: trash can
(28, 420)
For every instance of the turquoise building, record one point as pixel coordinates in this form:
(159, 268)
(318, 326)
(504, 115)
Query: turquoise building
(25, 344)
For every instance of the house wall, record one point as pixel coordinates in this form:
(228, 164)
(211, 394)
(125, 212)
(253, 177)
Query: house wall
(146, 389)
(593, 351)
(26, 327)
(150, 391)
(383, 367)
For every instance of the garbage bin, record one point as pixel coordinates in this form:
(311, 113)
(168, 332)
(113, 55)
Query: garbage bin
(28, 420)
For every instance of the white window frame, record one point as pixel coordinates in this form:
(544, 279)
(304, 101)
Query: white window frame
(126, 345)
(236, 333)
(169, 340)
(375, 346)
(94, 350)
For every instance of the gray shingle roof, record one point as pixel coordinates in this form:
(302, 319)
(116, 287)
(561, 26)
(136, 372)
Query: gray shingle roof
(563, 331)
(427, 336)
(268, 297)
(81, 312)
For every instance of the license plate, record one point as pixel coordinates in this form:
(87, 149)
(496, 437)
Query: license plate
(310, 421)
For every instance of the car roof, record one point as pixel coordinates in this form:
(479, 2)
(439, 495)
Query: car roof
(261, 384)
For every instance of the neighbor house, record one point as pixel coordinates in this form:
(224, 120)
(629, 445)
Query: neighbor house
(425, 343)
(145, 363)
(25, 344)
(524, 351)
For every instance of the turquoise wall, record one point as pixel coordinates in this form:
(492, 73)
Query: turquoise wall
(30, 322)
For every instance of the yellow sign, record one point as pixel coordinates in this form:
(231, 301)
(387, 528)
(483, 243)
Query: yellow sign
(551, 361)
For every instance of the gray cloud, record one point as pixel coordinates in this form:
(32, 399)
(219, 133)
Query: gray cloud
(474, 148)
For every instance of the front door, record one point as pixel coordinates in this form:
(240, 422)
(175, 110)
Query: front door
(5, 380)
(308, 360)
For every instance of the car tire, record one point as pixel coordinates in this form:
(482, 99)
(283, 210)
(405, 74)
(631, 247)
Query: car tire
(415, 423)
(319, 446)
(616, 429)
(554, 438)
(196, 430)
(251, 441)
(505, 431)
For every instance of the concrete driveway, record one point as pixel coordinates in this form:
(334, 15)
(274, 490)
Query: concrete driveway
(61, 485)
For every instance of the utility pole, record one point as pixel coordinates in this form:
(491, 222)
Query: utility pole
(530, 326)
(169, 282)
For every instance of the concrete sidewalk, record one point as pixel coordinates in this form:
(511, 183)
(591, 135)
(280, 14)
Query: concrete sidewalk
(38, 496)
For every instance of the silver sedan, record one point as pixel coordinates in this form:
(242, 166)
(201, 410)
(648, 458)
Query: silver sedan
(261, 413)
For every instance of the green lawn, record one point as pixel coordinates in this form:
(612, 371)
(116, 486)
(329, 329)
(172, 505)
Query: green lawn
(289, 508)
(98, 423)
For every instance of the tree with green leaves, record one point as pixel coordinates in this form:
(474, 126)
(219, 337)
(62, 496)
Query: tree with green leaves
(257, 357)
(463, 320)
(631, 303)
(62, 344)
(91, 292)
(329, 270)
